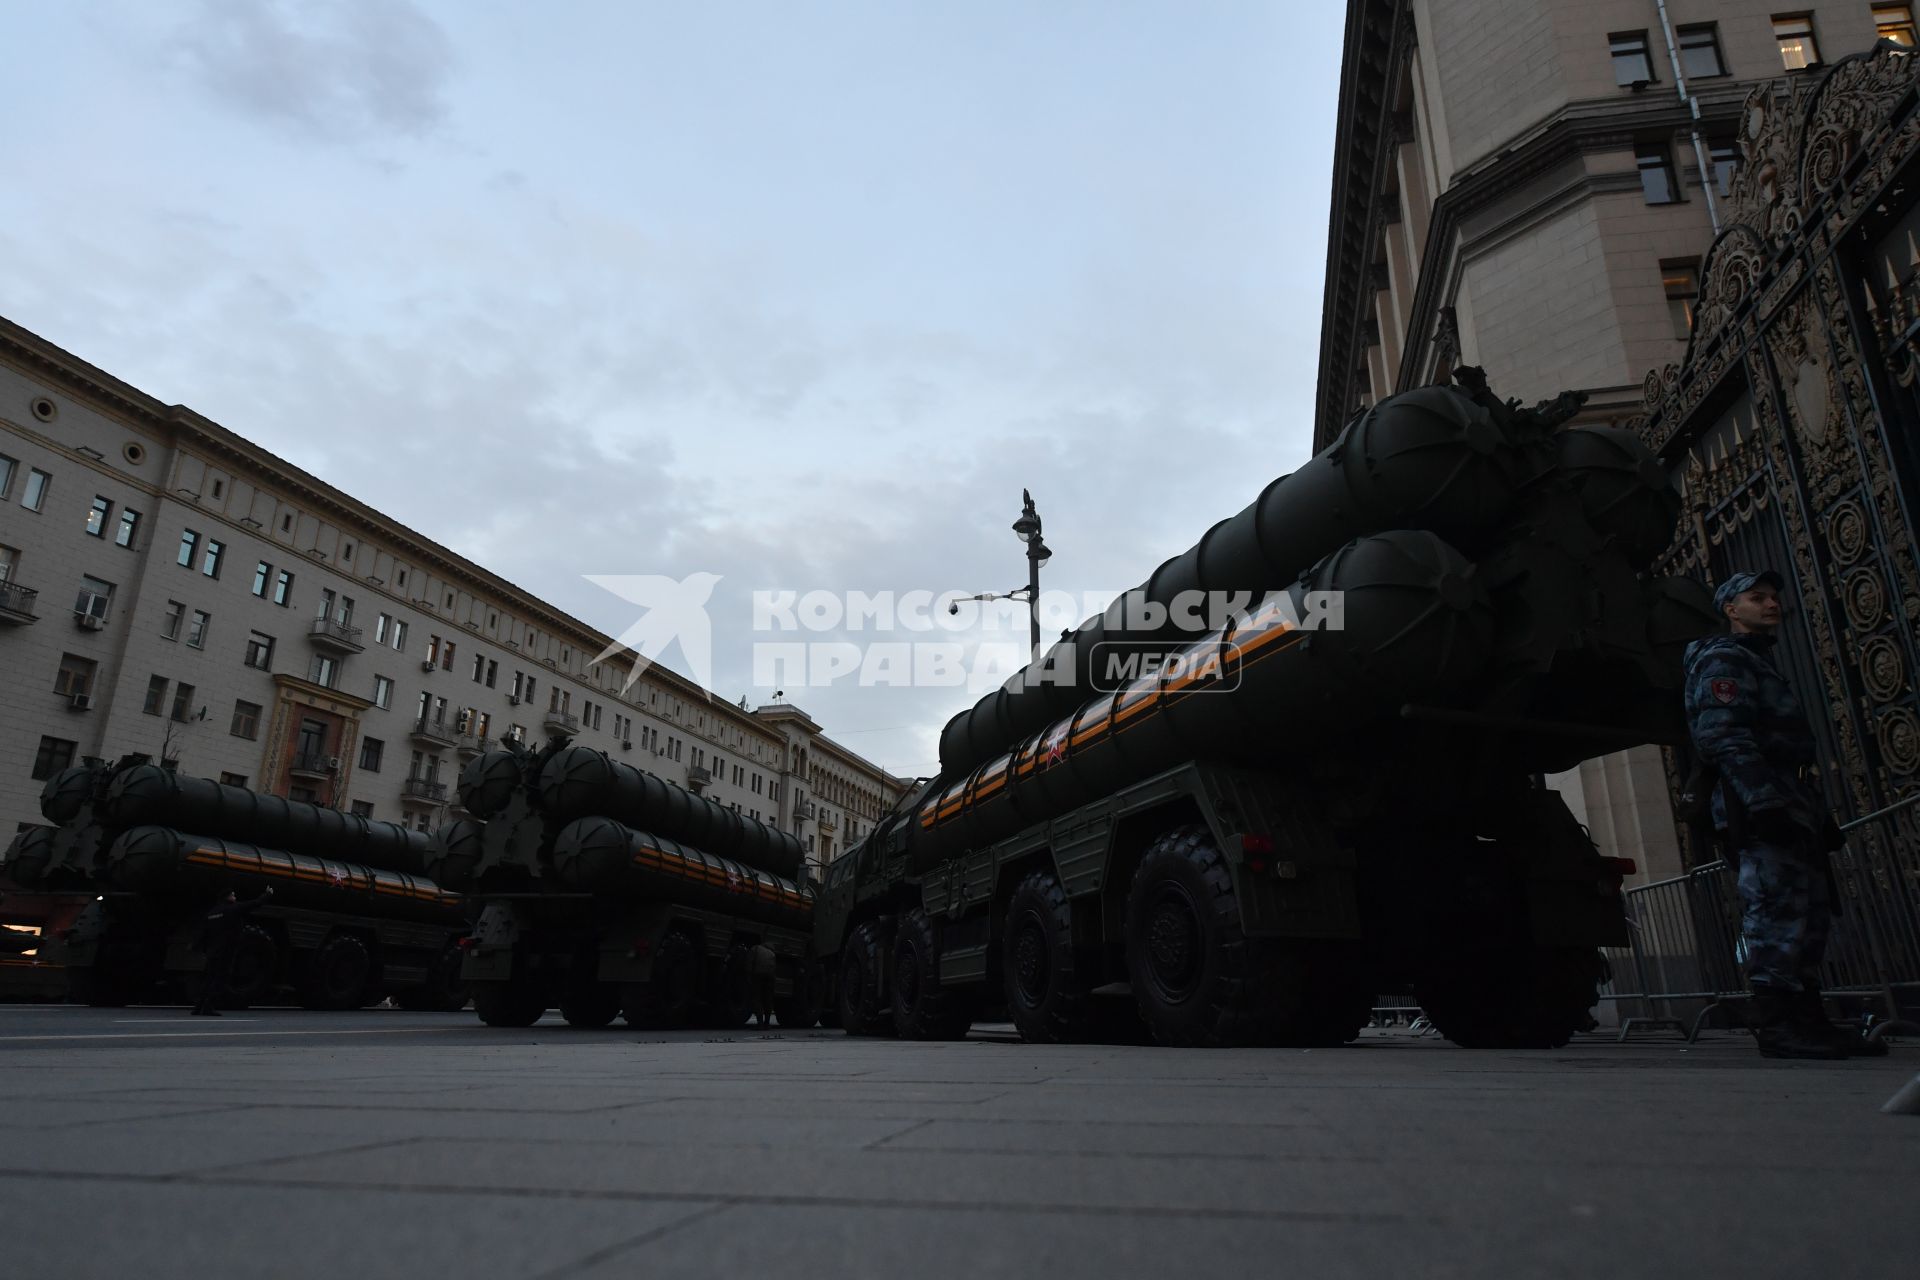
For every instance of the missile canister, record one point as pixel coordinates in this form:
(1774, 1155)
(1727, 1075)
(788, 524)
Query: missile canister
(152, 796)
(598, 855)
(1432, 460)
(579, 782)
(28, 858)
(1624, 491)
(68, 792)
(161, 860)
(1267, 688)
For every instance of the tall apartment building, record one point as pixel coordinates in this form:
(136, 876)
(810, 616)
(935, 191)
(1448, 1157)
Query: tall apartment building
(1530, 186)
(169, 587)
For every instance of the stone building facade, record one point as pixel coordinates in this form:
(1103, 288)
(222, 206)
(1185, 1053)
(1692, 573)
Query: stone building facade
(168, 587)
(1531, 186)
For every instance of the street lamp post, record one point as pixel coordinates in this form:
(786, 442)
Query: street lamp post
(1028, 527)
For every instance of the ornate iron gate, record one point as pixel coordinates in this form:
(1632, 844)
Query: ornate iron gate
(1794, 427)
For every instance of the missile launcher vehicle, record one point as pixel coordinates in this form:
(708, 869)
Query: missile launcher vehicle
(147, 851)
(604, 891)
(1334, 787)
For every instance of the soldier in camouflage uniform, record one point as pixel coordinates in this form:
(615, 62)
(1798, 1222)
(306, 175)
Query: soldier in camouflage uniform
(1748, 726)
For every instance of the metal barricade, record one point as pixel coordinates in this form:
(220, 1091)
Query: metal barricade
(1685, 948)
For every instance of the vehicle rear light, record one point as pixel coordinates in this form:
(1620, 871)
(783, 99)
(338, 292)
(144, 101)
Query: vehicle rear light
(465, 944)
(641, 946)
(1256, 850)
(1622, 867)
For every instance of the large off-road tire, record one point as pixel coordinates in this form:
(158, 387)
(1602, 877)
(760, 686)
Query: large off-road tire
(924, 1008)
(861, 1013)
(670, 999)
(509, 1003)
(591, 1005)
(1514, 997)
(730, 991)
(1337, 1003)
(254, 977)
(1196, 976)
(336, 974)
(801, 1009)
(98, 988)
(1043, 966)
(444, 990)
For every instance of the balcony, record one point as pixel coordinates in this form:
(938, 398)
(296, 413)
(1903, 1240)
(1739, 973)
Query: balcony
(560, 722)
(16, 603)
(423, 791)
(430, 733)
(699, 777)
(312, 764)
(335, 637)
(472, 744)
(829, 821)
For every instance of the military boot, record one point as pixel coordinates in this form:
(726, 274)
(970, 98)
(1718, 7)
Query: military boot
(1811, 1016)
(1780, 1034)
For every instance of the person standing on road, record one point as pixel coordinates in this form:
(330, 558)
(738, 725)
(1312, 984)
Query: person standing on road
(220, 939)
(763, 968)
(1749, 728)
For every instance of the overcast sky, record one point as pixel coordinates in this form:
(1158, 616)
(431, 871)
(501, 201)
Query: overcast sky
(801, 294)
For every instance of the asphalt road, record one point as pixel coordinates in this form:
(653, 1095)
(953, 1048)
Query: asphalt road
(146, 1143)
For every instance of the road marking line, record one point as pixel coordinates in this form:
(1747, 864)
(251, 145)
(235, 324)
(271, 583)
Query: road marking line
(209, 1035)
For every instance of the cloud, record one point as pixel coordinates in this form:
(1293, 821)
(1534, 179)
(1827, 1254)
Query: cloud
(335, 72)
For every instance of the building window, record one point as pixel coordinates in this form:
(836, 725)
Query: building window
(283, 589)
(94, 598)
(35, 495)
(246, 720)
(362, 809)
(1793, 32)
(1725, 159)
(446, 656)
(383, 693)
(370, 752)
(1894, 22)
(1682, 280)
(399, 637)
(8, 466)
(197, 630)
(9, 562)
(1700, 51)
(54, 755)
(156, 695)
(189, 543)
(1656, 173)
(233, 780)
(1632, 60)
(433, 650)
(286, 523)
(324, 671)
(380, 624)
(183, 704)
(262, 575)
(260, 651)
(170, 625)
(479, 667)
(99, 515)
(129, 526)
(210, 558)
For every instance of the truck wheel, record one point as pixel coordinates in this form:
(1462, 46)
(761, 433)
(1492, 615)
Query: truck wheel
(860, 1011)
(336, 976)
(1047, 997)
(801, 1009)
(443, 991)
(1520, 997)
(671, 997)
(509, 1003)
(730, 995)
(591, 1005)
(256, 964)
(924, 1008)
(1198, 979)
(97, 988)
(1338, 1001)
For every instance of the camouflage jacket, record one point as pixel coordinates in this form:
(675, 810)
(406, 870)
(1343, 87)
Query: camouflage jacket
(1746, 722)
